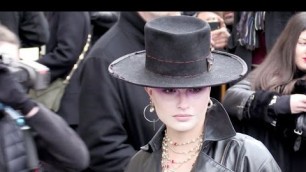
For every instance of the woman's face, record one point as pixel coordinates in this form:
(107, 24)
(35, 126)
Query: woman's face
(180, 109)
(300, 52)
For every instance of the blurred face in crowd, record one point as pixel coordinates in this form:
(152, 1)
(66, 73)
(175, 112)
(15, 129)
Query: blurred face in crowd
(208, 16)
(228, 17)
(165, 13)
(300, 52)
(181, 110)
(147, 16)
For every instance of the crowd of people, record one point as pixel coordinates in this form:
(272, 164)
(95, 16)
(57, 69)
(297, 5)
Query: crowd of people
(157, 91)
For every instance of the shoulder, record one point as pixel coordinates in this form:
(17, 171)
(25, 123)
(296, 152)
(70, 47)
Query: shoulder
(141, 155)
(248, 142)
(253, 153)
(137, 160)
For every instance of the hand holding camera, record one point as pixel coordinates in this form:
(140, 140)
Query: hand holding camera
(219, 33)
(12, 93)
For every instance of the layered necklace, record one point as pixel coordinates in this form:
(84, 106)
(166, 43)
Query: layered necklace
(171, 165)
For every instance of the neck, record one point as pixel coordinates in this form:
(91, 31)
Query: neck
(180, 154)
(185, 136)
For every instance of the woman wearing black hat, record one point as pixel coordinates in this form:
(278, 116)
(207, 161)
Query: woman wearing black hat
(177, 70)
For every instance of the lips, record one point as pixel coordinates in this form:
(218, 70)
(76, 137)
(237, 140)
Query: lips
(182, 117)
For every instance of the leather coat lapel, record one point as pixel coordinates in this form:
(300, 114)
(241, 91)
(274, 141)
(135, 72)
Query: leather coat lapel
(217, 123)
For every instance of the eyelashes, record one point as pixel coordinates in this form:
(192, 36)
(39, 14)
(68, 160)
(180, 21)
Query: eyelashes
(174, 90)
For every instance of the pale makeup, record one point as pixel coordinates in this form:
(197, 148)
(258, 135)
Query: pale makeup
(181, 110)
(300, 52)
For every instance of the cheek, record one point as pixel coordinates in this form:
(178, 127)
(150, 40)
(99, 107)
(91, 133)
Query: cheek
(202, 104)
(161, 105)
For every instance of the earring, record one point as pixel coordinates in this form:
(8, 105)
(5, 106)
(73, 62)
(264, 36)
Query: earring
(151, 107)
(151, 110)
(210, 104)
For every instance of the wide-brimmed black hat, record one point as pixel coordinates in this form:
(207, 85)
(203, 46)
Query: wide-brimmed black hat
(177, 55)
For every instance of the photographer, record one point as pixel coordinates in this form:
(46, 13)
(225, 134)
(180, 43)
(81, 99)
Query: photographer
(58, 147)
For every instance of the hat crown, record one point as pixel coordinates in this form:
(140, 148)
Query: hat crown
(177, 45)
(177, 55)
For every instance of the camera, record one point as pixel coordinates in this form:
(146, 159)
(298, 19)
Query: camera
(214, 25)
(30, 74)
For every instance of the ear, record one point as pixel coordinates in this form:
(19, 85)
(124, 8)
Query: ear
(148, 90)
(209, 90)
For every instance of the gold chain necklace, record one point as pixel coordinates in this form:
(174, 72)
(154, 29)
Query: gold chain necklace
(169, 140)
(193, 149)
(170, 165)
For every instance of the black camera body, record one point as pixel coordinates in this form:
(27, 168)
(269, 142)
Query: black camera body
(214, 25)
(30, 74)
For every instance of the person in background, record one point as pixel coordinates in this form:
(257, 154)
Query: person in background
(31, 27)
(59, 148)
(101, 22)
(270, 103)
(176, 70)
(110, 111)
(254, 33)
(68, 36)
(219, 40)
(69, 33)
(228, 17)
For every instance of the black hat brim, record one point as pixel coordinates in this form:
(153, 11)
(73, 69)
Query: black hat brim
(225, 69)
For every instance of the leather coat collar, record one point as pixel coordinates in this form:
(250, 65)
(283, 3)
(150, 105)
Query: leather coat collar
(217, 127)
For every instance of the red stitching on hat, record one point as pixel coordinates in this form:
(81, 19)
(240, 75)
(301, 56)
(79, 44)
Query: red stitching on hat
(167, 61)
(176, 76)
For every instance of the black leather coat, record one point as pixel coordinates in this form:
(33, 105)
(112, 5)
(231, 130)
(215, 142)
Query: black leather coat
(223, 149)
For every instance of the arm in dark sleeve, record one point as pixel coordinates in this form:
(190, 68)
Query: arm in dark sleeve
(64, 147)
(233, 39)
(236, 98)
(101, 118)
(243, 103)
(71, 36)
(268, 105)
(33, 29)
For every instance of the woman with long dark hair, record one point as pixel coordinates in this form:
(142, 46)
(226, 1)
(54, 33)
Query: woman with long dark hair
(270, 104)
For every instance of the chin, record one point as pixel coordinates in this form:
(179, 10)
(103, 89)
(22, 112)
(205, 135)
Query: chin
(183, 127)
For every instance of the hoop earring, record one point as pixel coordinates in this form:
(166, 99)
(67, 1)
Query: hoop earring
(151, 110)
(210, 104)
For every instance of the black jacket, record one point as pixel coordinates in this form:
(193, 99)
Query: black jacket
(223, 149)
(251, 114)
(58, 146)
(68, 36)
(30, 27)
(111, 111)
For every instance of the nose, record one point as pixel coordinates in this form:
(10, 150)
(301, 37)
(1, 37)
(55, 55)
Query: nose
(182, 99)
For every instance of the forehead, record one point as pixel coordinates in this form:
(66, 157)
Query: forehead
(303, 35)
(179, 88)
